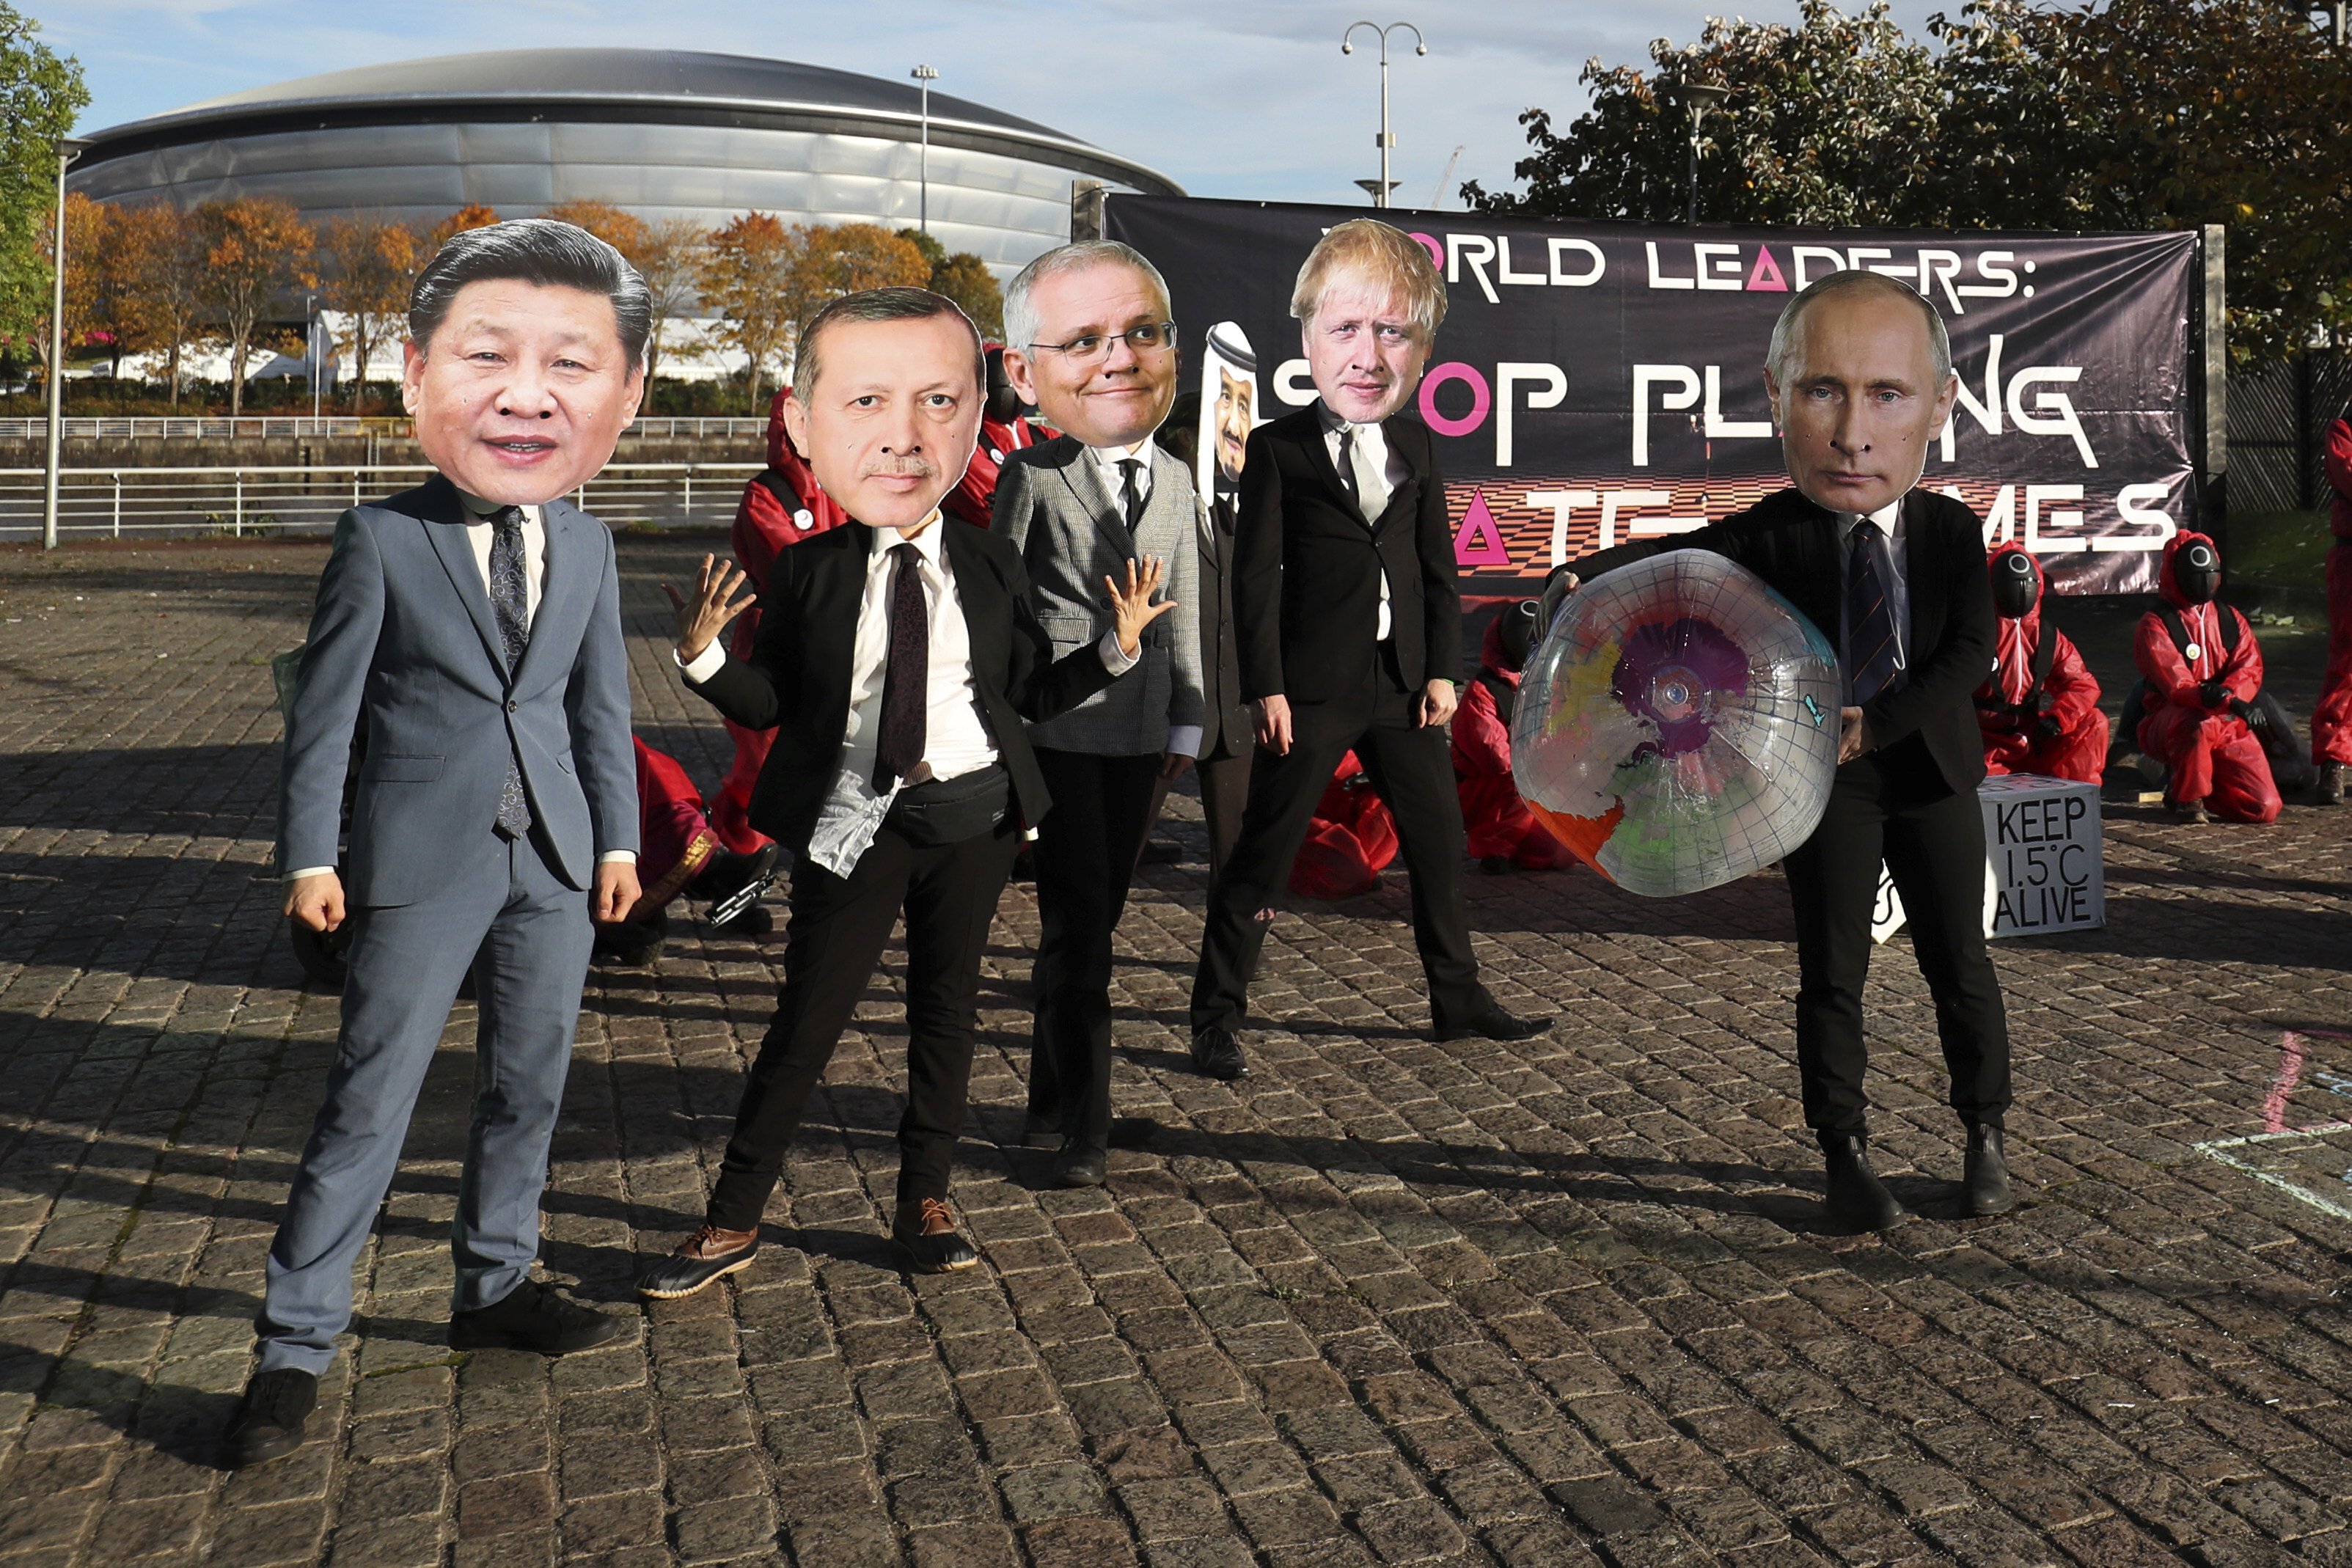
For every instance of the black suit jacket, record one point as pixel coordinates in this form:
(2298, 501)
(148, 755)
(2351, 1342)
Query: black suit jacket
(1791, 543)
(1227, 728)
(797, 681)
(1306, 572)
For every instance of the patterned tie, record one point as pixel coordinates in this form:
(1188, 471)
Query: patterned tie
(1131, 493)
(905, 680)
(510, 603)
(1873, 654)
(1347, 467)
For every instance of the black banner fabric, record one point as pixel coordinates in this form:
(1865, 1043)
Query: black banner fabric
(1595, 382)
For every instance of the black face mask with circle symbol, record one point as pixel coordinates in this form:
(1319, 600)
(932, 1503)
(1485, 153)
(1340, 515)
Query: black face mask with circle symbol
(2197, 572)
(2016, 585)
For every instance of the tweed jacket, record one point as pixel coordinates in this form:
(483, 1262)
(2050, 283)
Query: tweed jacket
(1052, 505)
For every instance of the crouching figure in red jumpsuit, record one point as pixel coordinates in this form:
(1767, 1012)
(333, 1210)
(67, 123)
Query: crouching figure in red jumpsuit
(2331, 720)
(681, 852)
(2039, 709)
(1350, 839)
(1504, 834)
(2204, 670)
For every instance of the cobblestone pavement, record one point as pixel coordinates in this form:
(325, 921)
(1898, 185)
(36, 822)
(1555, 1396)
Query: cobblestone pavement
(1386, 1302)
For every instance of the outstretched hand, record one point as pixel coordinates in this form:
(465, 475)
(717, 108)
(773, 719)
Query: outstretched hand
(1131, 606)
(702, 618)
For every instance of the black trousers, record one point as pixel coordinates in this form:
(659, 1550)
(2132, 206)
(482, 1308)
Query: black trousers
(1412, 767)
(1084, 854)
(1224, 794)
(1894, 805)
(832, 945)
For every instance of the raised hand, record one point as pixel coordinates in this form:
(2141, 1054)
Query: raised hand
(1131, 606)
(702, 618)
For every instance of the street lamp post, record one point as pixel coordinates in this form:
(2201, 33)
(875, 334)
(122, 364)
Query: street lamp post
(926, 75)
(1386, 138)
(317, 361)
(69, 149)
(1698, 98)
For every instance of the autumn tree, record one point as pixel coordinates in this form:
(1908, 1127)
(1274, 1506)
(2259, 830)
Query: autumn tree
(669, 259)
(41, 93)
(625, 232)
(369, 264)
(86, 248)
(747, 278)
(964, 277)
(848, 257)
(254, 249)
(159, 249)
(473, 214)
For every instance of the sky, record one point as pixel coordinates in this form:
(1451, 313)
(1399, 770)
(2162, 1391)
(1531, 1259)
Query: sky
(1243, 98)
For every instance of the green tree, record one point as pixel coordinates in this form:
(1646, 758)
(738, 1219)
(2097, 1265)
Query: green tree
(41, 93)
(964, 277)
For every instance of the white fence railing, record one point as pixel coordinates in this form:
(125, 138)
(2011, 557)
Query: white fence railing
(247, 501)
(253, 426)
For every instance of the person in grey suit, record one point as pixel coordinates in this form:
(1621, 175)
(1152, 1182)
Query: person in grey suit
(1089, 341)
(474, 622)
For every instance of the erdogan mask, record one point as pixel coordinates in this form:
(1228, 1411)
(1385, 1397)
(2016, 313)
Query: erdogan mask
(2196, 570)
(2016, 585)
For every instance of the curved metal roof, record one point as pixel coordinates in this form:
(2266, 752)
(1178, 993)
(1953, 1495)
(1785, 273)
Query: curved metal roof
(661, 86)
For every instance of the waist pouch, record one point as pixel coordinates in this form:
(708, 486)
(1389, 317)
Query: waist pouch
(949, 811)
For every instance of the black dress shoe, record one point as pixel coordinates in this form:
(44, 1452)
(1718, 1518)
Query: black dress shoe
(532, 1317)
(1216, 1054)
(710, 1254)
(926, 1233)
(1857, 1199)
(1488, 1021)
(269, 1418)
(1081, 1164)
(733, 882)
(1984, 1181)
(2329, 791)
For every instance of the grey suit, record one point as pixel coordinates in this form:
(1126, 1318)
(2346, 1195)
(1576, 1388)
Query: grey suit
(1101, 760)
(1051, 502)
(402, 631)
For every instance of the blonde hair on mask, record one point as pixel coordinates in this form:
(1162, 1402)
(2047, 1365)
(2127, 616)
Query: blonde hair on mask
(1378, 253)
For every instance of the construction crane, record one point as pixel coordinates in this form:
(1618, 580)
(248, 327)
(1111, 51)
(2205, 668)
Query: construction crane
(1437, 198)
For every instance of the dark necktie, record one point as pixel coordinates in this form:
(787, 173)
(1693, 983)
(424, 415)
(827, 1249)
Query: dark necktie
(1131, 493)
(1872, 652)
(1347, 469)
(906, 678)
(510, 603)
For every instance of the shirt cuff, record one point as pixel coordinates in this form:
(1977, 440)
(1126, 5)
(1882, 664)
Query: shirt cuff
(704, 665)
(308, 872)
(1185, 739)
(1117, 662)
(617, 858)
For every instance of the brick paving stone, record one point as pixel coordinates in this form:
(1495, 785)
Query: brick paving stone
(1564, 1301)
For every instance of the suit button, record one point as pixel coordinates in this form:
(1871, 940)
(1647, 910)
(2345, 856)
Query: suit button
(513, 705)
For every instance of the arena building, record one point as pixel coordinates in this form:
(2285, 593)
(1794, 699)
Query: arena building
(662, 133)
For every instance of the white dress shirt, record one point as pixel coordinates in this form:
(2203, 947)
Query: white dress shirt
(956, 741)
(1891, 571)
(1183, 740)
(1378, 472)
(479, 535)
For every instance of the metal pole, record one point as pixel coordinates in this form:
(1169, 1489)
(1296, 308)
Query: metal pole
(1386, 138)
(318, 361)
(69, 149)
(926, 76)
(1698, 97)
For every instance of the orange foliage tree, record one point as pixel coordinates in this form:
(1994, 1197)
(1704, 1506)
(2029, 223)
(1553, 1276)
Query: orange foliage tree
(370, 263)
(255, 249)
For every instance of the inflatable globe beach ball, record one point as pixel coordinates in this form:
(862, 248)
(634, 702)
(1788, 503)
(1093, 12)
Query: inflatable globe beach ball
(1678, 726)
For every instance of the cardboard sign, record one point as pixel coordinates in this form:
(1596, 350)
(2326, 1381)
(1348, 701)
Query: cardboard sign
(2045, 860)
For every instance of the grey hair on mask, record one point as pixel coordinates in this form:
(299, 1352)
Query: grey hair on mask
(1848, 281)
(543, 252)
(1021, 311)
(898, 303)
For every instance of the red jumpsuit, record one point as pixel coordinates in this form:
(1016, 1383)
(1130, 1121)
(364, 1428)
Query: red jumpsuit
(2213, 756)
(1351, 837)
(2011, 707)
(784, 506)
(1498, 820)
(2331, 720)
(674, 841)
